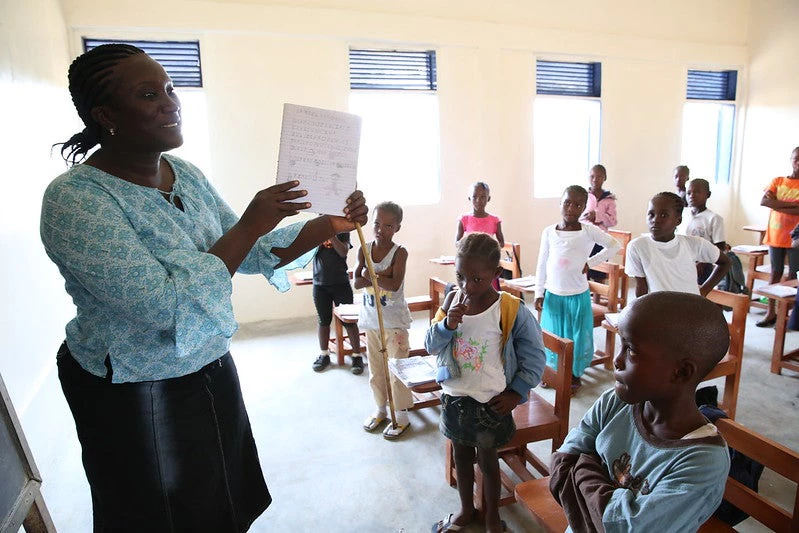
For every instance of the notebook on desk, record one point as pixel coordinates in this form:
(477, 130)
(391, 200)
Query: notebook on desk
(750, 248)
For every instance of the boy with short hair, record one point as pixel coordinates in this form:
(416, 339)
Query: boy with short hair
(703, 223)
(331, 286)
(389, 261)
(644, 458)
(681, 176)
(663, 261)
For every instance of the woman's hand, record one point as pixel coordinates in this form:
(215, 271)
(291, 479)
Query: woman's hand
(539, 304)
(271, 205)
(355, 211)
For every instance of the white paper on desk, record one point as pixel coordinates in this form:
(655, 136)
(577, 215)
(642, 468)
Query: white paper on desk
(780, 291)
(749, 248)
(413, 371)
(319, 147)
(613, 319)
(526, 281)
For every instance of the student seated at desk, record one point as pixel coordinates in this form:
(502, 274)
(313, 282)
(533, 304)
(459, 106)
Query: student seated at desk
(490, 354)
(703, 223)
(644, 458)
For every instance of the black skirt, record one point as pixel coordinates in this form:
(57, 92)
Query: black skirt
(166, 456)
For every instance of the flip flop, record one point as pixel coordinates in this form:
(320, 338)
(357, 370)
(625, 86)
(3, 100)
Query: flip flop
(442, 526)
(373, 422)
(393, 433)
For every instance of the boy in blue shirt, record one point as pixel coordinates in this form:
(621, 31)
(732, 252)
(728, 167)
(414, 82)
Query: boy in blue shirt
(644, 458)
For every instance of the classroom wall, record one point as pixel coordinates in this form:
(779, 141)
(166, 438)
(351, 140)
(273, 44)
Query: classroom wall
(486, 81)
(771, 129)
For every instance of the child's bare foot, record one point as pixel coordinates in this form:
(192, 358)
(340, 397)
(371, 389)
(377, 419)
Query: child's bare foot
(454, 522)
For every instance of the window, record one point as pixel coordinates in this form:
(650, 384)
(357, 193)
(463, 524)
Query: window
(709, 123)
(394, 93)
(566, 125)
(181, 60)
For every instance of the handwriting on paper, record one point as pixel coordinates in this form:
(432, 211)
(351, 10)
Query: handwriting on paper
(319, 148)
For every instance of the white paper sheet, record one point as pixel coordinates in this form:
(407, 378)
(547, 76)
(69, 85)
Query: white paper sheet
(319, 147)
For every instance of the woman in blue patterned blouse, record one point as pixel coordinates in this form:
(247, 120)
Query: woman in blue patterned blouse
(147, 248)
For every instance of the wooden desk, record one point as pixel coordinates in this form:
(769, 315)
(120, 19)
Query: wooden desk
(780, 359)
(760, 230)
(303, 277)
(426, 393)
(755, 259)
(524, 285)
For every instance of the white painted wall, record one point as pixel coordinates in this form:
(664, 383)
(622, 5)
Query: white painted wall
(486, 54)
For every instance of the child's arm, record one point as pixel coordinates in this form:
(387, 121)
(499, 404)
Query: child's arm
(341, 247)
(770, 200)
(438, 334)
(611, 245)
(391, 278)
(459, 234)
(529, 348)
(358, 279)
(500, 237)
(541, 270)
(641, 286)
(723, 265)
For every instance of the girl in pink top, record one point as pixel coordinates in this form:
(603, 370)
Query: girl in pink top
(480, 220)
(600, 210)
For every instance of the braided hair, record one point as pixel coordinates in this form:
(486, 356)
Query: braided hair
(674, 198)
(480, 246)
(89, 82)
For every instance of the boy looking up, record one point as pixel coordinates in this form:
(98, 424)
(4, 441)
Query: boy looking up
(644, 458)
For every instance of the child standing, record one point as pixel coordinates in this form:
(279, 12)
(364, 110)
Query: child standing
(480, 219)
(331, 286)
(562, 293)
(681, 176)
(782, 197)
(600, 210)
(389, 263)
(490, 354)
(703, 223)
(663, 261)
(644, 458)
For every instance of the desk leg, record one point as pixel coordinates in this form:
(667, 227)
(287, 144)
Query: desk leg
(610, 348)
(339, 340)
(751, 270)
(779, 336)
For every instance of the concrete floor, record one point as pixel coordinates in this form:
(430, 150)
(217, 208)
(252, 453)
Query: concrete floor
(327, 474)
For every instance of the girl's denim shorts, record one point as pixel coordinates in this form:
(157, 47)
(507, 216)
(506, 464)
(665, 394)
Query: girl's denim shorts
(468, 422)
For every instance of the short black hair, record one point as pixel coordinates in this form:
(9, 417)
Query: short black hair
(675, 199)
(480, 246)
(686, 325)
(683, 167)
(702, 183)
(601, 168)
(577, 189)
(392, 208)
(482, 184)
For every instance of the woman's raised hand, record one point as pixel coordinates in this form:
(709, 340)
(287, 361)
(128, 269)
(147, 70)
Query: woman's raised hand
(355, 211)
(271, 205)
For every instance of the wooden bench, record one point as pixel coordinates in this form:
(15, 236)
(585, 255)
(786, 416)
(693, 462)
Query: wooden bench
(536, 420)
(346, 315)
(606, 300)
(624, 238)
(549, 516)
(510, 262)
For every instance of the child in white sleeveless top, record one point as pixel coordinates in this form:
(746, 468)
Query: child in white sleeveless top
(490, 354)
(389, 262)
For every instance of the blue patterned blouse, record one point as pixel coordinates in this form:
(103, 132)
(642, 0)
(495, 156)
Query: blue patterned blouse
(147, 293)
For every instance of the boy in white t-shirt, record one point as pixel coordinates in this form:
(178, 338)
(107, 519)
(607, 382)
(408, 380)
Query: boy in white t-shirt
(703, 223)
(663, 261)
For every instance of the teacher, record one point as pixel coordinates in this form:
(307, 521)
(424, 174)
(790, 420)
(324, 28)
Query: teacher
(147, 248)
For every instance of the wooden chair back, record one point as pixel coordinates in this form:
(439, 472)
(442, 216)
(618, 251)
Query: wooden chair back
(606, 294)
(549, 516)
(438, 290)
(730, 366)
(510, 259)
(624, 238)
(536, 420)
(773, 456)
